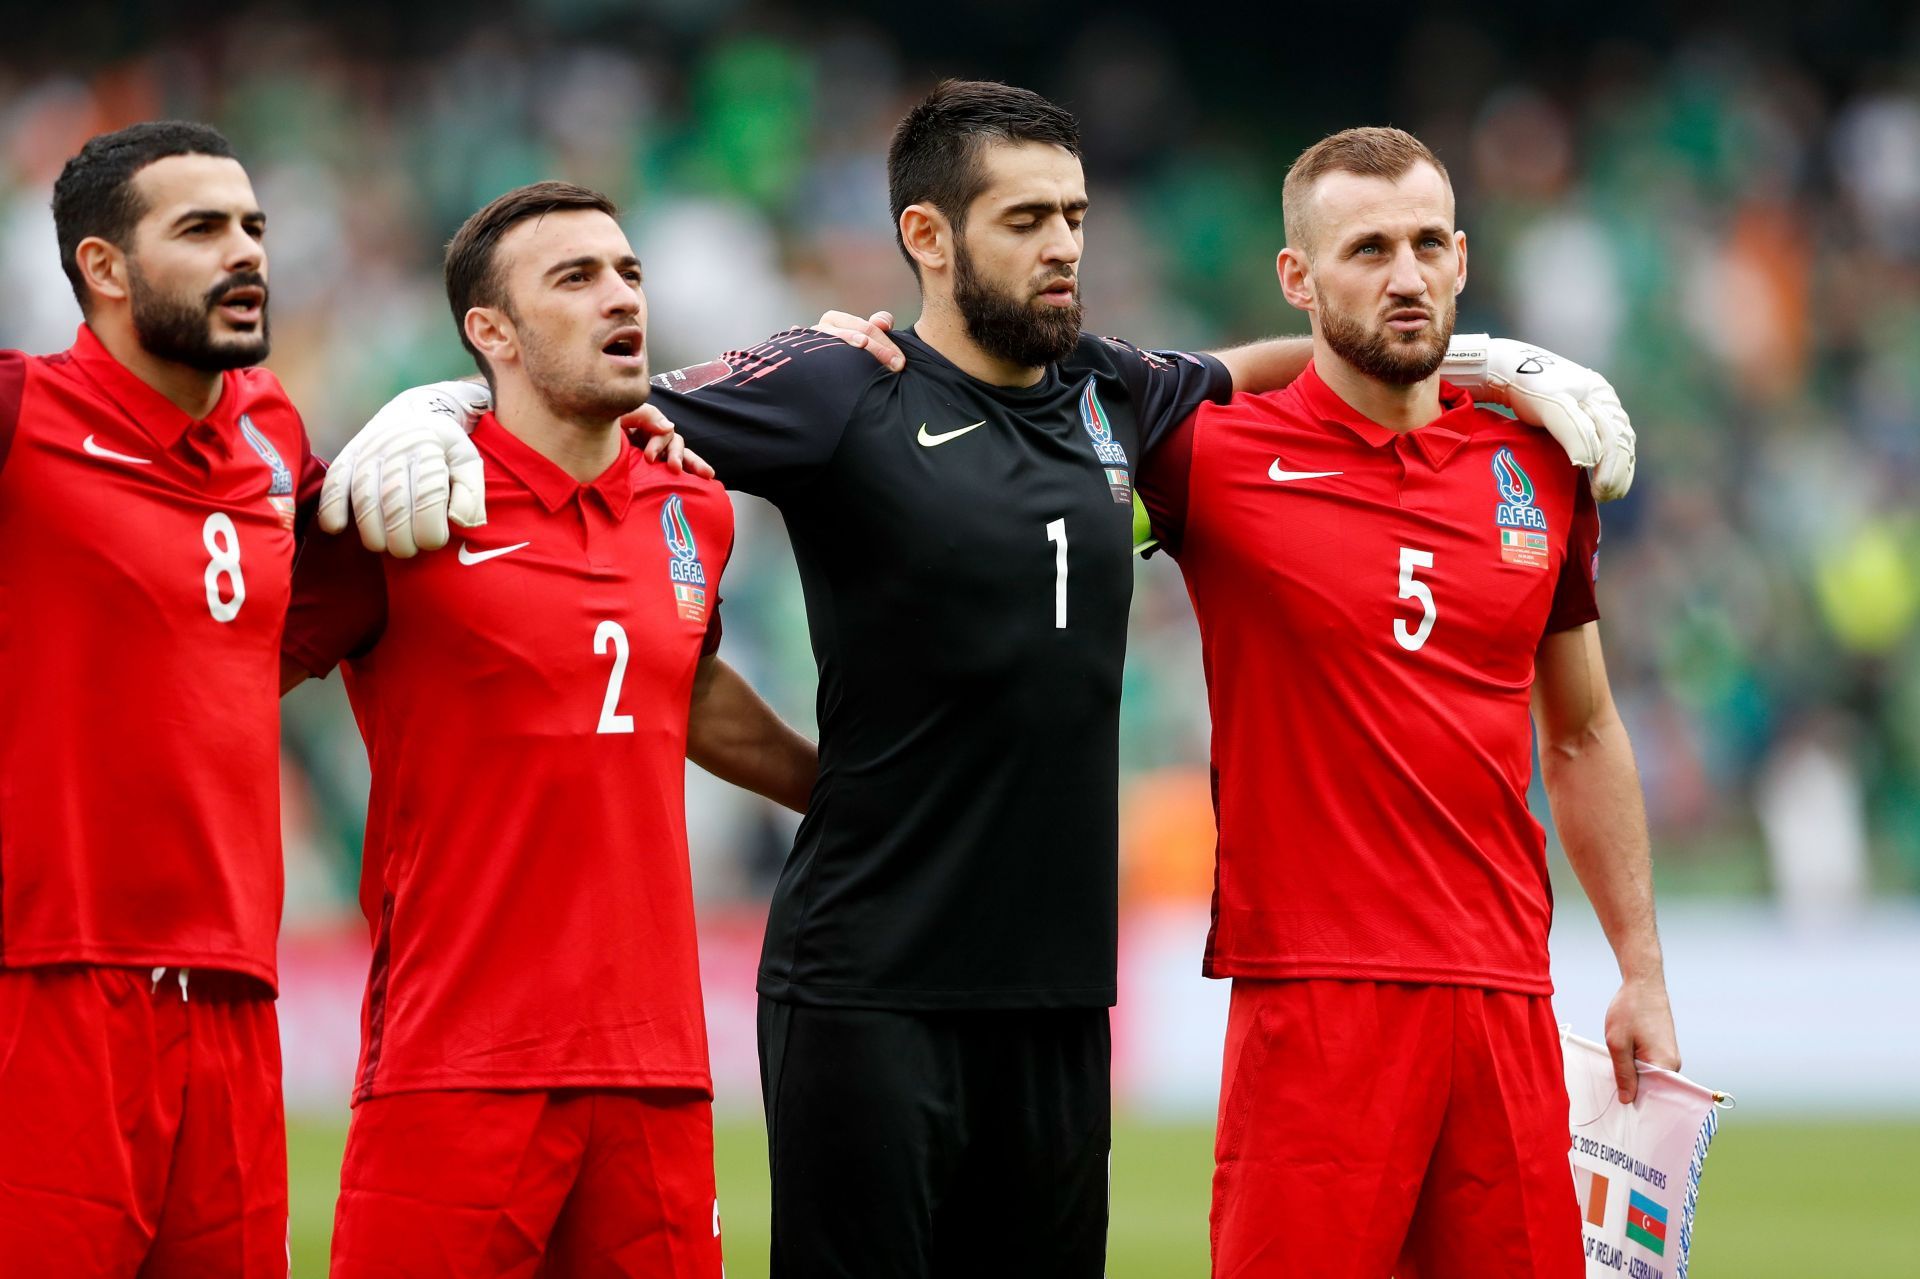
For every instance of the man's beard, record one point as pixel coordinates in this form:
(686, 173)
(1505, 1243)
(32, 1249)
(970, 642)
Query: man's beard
(1384, 355)
(576, 396)
(180, 329)
(1016, 330)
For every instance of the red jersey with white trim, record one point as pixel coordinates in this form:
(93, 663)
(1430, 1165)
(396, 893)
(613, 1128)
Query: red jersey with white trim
(145, 562)
(528, 891)
(1369, 606)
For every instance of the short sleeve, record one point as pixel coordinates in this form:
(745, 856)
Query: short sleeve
(768, 418)
(1167, 386)
(13, 389)
(1574, 603)
(339, 604)
(1163, 478)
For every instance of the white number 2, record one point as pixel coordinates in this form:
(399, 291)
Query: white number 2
(222, 541)
(611, 633)
(1411, 638)
(1057, 534)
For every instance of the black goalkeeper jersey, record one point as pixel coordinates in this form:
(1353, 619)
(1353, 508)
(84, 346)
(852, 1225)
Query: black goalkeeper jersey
(965, 551)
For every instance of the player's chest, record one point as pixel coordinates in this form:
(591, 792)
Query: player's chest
(944, 472)
(198, 531)
(544, 600)
(1376, 549)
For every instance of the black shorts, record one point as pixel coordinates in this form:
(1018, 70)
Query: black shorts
(921, 1145)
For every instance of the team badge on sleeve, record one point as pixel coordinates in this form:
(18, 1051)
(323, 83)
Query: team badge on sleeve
(1113, 457)
(684, 570)
(1522, 525)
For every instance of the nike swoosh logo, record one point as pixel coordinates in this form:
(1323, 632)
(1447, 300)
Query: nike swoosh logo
(934, 441)
(1279, 476)
(97, 451)
(470, 556)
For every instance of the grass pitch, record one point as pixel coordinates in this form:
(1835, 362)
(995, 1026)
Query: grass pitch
(1780, 1200)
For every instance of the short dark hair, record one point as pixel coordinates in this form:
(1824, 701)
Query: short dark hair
(935, 154)
(1370, 152)
(94, 195)
(472, 275)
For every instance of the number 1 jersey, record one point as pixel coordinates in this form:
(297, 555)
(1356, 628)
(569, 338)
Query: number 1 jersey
(1369, 606)
(145, 559)
(524, 701)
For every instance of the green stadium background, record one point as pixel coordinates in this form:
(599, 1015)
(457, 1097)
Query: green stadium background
(1721, 210)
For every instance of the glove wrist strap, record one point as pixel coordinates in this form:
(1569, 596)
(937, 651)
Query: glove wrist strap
(1466, 362)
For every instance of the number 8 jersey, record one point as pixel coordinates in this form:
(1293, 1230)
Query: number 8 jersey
(145, 560)
(1369, 606)
(524, 700)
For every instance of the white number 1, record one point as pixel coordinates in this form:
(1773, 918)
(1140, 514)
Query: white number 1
(1411, 638)
(1057, 534)
(611, 721)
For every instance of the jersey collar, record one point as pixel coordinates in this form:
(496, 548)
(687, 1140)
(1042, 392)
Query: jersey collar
(553, 486)
(159, 418)
(1437, 441)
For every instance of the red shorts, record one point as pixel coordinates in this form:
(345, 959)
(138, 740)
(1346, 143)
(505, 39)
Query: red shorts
(485, 1185)
(1375, 1129)
(140, 1132)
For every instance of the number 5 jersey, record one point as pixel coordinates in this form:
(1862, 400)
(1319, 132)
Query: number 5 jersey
(145, 561)
(1370, 604)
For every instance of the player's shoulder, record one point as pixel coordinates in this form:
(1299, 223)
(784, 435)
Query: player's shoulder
(1284, 406)
(1119, 357)
(790, 356)
(1531, 446)
(658, 481)
(264, 400)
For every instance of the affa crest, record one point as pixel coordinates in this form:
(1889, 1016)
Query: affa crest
(1522, 525)
(280, 485)
(1112, 455)
(684, 569)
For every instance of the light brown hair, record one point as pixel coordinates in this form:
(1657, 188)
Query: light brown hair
(1370, 152)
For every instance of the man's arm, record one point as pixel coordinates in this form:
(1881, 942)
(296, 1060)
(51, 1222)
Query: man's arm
(1587, 764)
(736, 736)
(1268, 365)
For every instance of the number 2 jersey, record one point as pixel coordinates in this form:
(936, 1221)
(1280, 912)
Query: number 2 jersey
(1370, 605)
(145, 561)
(524, 701)
(965, 551)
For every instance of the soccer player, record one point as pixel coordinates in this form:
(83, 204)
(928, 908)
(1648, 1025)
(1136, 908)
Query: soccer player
(533, 1090)
(151, 482)
(940, 953)
(1385, 577)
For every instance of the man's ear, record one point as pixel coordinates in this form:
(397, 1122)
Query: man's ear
(103, 266)
(1296, 278)
(927, 235)
(1460, 280)
(491, 331)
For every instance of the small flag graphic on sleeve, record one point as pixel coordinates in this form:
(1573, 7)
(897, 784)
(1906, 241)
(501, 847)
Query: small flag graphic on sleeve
(1646, 1223)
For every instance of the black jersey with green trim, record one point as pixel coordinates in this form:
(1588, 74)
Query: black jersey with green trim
(965, 551)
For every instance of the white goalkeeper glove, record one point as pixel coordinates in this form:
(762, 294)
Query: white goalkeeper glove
(1574, 404)
(410, 470)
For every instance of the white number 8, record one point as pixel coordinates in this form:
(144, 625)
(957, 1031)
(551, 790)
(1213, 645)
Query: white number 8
(222, 541)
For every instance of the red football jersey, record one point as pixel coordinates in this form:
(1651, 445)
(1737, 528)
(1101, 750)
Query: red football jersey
(1369, 606)
(145, 561)
(524, 702)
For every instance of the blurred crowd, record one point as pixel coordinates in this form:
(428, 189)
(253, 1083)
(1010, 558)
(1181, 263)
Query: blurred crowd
(1734, 239)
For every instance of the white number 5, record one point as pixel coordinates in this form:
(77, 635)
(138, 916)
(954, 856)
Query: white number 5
(1411, 638)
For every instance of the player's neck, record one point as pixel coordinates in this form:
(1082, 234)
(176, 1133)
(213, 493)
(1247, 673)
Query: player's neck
(942, 327)
(584, 450)
(1398, 408)
(192, 391)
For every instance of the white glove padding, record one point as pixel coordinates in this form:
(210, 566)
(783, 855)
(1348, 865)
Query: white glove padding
(1574, 404)
(410, 470)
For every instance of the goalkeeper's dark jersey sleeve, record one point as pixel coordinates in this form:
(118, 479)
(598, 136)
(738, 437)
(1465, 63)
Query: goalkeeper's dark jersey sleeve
(964, 549)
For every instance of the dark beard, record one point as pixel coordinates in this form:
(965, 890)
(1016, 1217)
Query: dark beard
(1385, 356)
(180, 330)
(1022, 333)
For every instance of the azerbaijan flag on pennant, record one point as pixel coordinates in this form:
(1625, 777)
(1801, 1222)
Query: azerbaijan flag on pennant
(1647, 1223)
